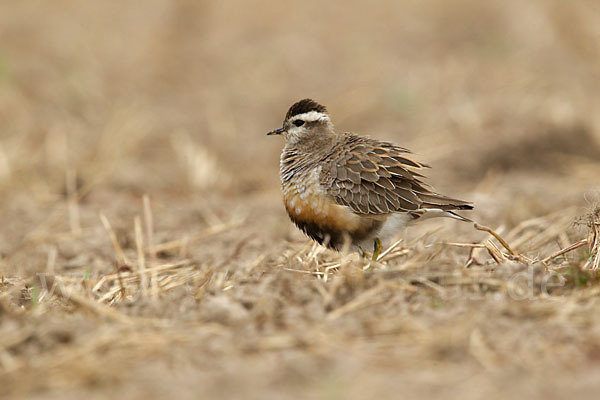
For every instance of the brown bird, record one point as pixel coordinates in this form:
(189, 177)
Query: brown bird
(342, 189)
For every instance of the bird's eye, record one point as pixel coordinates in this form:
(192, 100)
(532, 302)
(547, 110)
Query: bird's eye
(298, 122)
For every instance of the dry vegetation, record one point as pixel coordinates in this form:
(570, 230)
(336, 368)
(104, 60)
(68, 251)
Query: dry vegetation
(144, 250)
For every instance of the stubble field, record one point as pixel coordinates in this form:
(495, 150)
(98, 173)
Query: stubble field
(145, 251)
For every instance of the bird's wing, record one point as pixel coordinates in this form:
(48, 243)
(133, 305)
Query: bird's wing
(376, 178)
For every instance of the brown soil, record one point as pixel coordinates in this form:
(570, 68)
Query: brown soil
(145, 251)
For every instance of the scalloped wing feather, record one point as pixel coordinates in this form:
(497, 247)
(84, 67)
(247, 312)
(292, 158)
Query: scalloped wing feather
(378, 178)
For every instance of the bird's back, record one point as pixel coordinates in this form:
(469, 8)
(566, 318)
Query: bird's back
(373, 177)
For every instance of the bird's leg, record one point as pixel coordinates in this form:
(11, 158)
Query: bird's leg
(376, 249)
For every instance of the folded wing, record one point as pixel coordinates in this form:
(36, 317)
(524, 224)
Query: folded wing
(378, 178)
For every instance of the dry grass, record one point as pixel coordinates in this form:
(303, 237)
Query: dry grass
(145, 252)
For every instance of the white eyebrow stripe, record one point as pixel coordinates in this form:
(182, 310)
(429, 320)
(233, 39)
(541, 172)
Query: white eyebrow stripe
(310, 116)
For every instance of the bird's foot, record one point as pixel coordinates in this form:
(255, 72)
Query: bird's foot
(377, 245)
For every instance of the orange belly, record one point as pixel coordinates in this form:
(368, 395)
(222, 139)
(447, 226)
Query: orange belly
(327, 222)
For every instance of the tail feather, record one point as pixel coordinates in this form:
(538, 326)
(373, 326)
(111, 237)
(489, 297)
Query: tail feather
(447, 207)
(436, 198)
(437, 205)
(458, 216)
(435, 212)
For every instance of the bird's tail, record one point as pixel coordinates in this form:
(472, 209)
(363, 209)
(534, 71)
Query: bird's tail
(437, 205)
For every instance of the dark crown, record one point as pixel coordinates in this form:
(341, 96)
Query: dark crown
(304, 106)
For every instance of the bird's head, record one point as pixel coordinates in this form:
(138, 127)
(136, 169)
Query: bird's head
(305, 121)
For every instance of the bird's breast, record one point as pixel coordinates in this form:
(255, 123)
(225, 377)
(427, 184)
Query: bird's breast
(319, 216)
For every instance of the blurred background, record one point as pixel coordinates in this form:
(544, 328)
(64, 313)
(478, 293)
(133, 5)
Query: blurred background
(102, 102)
(172, 96)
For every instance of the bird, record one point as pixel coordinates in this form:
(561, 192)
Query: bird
(349, 191)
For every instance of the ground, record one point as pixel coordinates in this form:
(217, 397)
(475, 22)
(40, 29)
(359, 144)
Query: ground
(145, 251)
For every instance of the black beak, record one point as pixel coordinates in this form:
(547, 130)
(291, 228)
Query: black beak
(276, 132)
